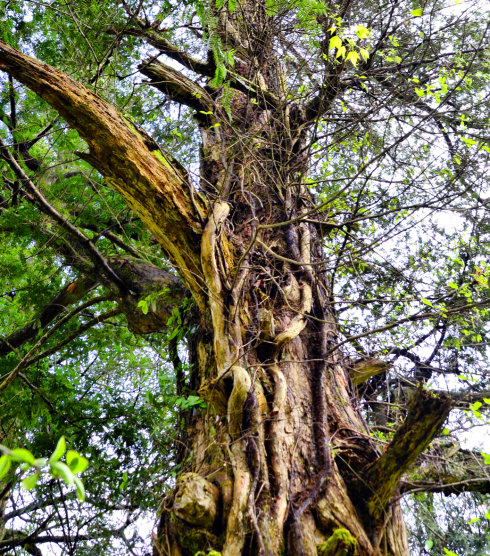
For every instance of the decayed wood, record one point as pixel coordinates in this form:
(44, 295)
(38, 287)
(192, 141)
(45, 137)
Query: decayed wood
(152, 185)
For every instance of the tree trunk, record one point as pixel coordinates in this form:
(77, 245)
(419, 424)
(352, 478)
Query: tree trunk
(275, 463)
(282, 436)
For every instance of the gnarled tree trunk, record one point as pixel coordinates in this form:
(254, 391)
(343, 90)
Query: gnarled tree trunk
(281, 461)
(282, 438)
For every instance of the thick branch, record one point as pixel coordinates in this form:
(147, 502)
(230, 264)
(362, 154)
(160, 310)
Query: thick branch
(463, 399)
(177, 86)
(152, 186)
(363, 369)
(426, 414)
(166, 47)
(163, 290)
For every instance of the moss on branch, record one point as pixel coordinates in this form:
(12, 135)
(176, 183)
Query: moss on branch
(340, 543)
(426, 414)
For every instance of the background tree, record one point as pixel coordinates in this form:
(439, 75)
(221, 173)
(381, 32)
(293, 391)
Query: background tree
(310, 276)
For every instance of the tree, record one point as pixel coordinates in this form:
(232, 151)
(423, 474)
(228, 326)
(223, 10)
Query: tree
(324, 265)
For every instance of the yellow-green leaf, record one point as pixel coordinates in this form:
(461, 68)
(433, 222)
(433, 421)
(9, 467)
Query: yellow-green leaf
(80, 488)
(20, 454)
(353, 57)
(30, 482)
(59, 450)
(62, 470)
(341, 52)
(362, 32)
(5, 463)
(335, 42)
(364, 53)
(76, 462)
(417, 12)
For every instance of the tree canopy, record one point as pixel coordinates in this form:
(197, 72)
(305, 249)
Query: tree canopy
(130, 133)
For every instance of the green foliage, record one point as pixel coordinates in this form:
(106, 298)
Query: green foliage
(52, 466)
(448, 524)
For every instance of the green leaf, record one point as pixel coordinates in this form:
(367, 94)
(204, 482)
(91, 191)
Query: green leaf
(426, 301)
(76, 462)
(445, 431)
(60, 469)
(230, 58)
(335, 42)
(5, 463)
(219, 75)
(20, 454)
(80, 488)
(429, 543)
(417, 12)
(486, 458)
(30, 482)
(59, 450)
(143, 304)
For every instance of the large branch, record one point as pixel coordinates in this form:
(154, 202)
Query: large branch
(166, 47)
(164, 290)
(177, 86)
(426, 414)
(152, 185)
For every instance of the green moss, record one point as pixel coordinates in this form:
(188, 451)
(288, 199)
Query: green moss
(194, 540)
(158, 154)
(341, 543)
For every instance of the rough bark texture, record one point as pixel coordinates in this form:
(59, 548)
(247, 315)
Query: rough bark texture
(281, 462)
